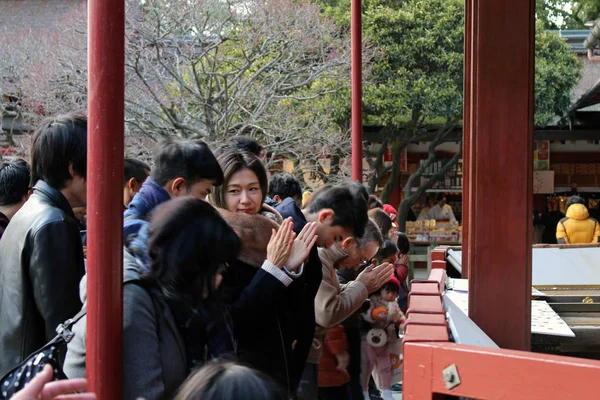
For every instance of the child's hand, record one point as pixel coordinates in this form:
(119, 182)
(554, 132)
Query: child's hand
(343, 359)
(394, 312)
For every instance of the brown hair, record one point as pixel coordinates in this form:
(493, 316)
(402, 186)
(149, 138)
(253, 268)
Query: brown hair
(233, 160)
(383, 221)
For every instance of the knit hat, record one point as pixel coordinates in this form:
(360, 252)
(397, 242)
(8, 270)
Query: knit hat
(392, 213)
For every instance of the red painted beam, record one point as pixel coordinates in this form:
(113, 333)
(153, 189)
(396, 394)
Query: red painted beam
(106, 84)
(496, 373)
(500, 175)
(357, 142)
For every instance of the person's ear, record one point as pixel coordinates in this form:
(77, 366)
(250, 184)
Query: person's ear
(71, 170)
(73, 173)
(277, 198)
(178, 187)
(325, 215)
(134, 185)
(349, 243)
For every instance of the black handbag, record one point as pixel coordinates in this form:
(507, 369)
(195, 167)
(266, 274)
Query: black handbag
(51, 353)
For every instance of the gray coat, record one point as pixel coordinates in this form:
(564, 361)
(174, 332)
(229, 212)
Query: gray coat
(154, 363)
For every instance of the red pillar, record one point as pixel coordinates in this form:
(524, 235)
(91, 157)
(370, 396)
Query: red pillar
(106, 30)
(467, 94)
(500, 170)
(356, 29)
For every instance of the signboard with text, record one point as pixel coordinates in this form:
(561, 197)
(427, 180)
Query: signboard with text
(541, 155)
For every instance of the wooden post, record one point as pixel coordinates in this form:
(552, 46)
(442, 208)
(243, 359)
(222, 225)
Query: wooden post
(467, 92)
(357, 143)
(500, 168)
(106, 105)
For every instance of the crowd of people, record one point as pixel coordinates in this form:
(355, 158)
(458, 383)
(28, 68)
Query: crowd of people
(234, 285)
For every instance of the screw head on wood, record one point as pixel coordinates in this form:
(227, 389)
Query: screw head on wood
(451, 377)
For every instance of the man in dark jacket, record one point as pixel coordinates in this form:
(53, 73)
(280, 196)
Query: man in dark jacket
(281, 187)
(15, 180)
(180, 168)
(340, 212)
(41, 250)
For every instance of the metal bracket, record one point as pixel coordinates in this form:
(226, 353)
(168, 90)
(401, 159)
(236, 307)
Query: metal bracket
(451, 378)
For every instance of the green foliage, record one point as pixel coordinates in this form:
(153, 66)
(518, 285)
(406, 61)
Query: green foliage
(419, 74)
(566, 14)
(557, 71)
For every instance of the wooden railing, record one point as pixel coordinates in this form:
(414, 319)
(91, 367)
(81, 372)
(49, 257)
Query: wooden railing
(434, 367)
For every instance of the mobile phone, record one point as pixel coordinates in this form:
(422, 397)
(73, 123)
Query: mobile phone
(83, 237)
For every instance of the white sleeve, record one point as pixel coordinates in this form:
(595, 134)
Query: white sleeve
(272, 269)
(295, 274)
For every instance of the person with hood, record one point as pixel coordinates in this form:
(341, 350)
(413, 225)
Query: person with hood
(257, 286)
(334, 302)
(181, 168)
(577, 227)
(173, 318)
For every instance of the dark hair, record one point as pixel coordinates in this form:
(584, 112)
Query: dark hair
(576, 200)
(284, 185)
(247, 144)
(243, 143)
(388, 249)
(390, 286)
(372, 235)
(59, 142)
(189, 244)
(15, 178)
(403, 243)
(359, 188)
(228, 380)
(135, 169)
(234, 160)
(374, 202)
(350, 208)
(382, 219)
(191, 160)
(440, 197)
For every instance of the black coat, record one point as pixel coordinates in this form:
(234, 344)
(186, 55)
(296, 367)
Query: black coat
(273, 324)
(41, 265)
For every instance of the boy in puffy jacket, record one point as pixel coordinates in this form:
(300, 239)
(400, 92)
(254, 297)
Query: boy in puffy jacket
(577, 227)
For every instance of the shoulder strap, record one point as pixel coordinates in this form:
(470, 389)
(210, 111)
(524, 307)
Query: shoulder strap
(68, 324)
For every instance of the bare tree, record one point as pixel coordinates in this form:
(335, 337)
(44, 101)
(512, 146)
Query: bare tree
(214, 69)
(209, 69)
